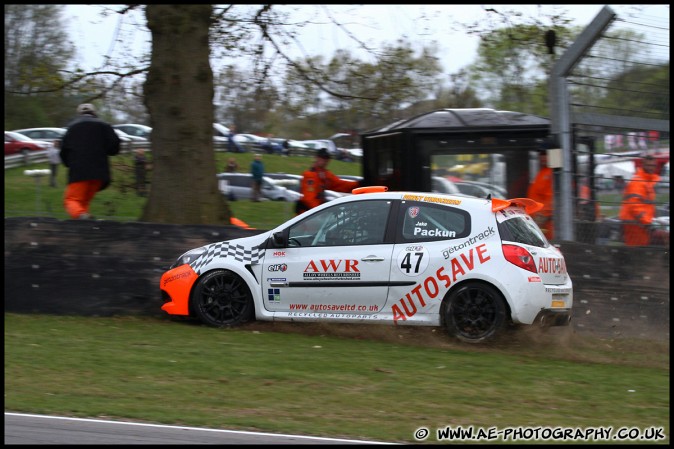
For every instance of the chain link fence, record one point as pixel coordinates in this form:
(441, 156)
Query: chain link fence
(617, 95)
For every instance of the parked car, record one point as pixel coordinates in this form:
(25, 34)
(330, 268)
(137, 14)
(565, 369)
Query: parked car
(44, 134)
(250, 142)
(292, 182)
(480, 189)
(352, 177)
(317, 144)
(16, 143)
(443, 185)
(135, 130)
(405, 258)
(239, 186)
(125, 141)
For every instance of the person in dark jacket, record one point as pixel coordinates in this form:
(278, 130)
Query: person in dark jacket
(257, 170)
(85, 149)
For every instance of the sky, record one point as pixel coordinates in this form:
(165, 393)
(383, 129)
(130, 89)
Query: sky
(372, 24)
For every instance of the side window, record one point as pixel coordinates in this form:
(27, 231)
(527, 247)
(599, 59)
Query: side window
(424, 222)
(359, 223)
(240, 181)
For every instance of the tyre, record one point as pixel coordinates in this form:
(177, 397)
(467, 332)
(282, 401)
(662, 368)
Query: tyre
(222, 299)
(475, 312)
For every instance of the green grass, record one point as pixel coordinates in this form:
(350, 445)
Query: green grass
(25, 197)
(353, 381)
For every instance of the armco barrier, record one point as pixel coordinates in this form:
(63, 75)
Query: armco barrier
(106, 268)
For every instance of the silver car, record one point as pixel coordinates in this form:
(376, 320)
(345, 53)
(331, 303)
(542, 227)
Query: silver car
(239, 186)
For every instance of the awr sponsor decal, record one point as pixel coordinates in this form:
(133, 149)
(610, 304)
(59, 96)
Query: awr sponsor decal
(332, 269)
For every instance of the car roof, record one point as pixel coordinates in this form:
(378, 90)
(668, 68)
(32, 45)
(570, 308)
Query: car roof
(133, 124)
(40, 128)
(450, 199)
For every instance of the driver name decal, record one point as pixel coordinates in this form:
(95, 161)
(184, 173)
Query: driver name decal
(332, 269)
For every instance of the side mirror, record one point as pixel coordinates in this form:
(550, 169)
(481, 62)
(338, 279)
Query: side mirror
(279, 240)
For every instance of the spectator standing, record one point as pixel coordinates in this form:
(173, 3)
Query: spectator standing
(231, 166)
(653, 139)
(54, 160)
(232, 144)
(85, 150)
(317, 179)
(638, 206)
(140, 165)
(541, 190)
(257, 170)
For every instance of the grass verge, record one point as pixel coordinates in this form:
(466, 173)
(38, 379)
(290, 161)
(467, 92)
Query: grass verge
(349, 381)
(28, 196)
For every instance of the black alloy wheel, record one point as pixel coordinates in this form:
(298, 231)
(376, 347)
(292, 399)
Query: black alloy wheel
(222, 299)
(475, 313)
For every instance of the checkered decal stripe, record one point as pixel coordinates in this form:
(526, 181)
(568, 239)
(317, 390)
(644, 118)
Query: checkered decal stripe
(225, 249)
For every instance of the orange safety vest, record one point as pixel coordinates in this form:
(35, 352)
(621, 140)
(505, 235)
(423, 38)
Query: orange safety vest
(315, 182)
(541, 190)
(638, 208)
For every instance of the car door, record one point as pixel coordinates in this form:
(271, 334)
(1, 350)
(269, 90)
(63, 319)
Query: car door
(336, 263)
(425, 230)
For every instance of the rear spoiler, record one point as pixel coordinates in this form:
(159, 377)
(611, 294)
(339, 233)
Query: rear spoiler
(530, 206)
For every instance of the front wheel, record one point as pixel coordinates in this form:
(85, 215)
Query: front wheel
(475, 313)
(222, 299)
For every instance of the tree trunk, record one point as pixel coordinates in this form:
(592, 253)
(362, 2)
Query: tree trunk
(179, 98)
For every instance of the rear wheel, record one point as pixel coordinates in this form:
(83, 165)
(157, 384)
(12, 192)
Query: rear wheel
(222, 299)
(475, 312)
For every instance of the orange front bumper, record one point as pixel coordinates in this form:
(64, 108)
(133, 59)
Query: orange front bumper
(177, 285)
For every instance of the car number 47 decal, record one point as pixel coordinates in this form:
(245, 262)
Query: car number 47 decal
(413, 260)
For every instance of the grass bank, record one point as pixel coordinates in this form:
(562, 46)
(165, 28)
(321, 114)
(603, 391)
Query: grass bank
(353, 381)
(27, 196)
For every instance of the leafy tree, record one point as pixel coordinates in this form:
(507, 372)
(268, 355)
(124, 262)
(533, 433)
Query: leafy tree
(621, 78)
(37, 51)
(511, 63)
(641, 91)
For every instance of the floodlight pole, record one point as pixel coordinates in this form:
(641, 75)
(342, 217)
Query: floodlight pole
(560, 116)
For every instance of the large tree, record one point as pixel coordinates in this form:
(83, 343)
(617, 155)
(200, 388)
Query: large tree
(179, 98)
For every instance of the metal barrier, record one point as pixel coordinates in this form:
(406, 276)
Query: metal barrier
(18, 160)
(36, 157)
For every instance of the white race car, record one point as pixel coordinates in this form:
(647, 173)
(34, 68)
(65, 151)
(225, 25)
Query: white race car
(473, 265)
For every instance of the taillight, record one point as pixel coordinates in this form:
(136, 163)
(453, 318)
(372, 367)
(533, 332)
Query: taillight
(519, 256)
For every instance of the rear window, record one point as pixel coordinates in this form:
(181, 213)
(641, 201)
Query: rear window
(522, 229)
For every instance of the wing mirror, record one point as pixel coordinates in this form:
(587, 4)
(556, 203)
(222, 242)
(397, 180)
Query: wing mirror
(279, 240)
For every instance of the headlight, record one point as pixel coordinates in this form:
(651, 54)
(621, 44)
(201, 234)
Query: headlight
(189, 257)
